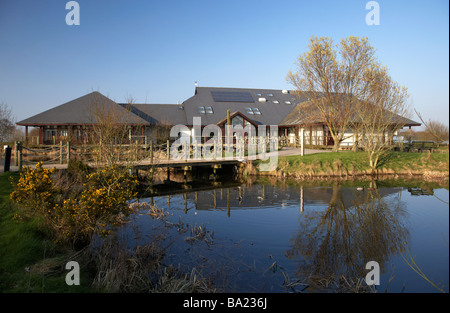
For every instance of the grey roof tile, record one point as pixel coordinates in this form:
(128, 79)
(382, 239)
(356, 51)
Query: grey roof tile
(82, 111)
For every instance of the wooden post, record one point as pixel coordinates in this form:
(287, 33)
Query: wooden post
(168, 158)
(302, 141)
(151, 152)
(136, 150)
(68, 152)
(168, 150)
(61, 148)
(16, 159)
(19, 155)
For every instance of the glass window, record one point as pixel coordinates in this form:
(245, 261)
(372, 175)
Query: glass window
(209, 110)
(237, 120)
(249, 110)
(287, 102)
(276, 101)
(256, 111)
(201, 110)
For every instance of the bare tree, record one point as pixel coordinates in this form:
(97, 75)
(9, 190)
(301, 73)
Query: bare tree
(436, 130)
(332, 79)
(383, 112)
(111, 130)
(7, 126)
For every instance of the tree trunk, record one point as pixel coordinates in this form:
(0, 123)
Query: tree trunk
(336, 145)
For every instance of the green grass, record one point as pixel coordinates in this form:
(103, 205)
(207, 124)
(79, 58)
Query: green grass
(346, 163)
(23, 246)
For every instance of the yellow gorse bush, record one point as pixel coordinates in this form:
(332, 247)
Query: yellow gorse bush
(34, 191)
(101, 205)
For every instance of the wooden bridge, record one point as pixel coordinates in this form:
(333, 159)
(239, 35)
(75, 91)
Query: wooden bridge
(136, 157)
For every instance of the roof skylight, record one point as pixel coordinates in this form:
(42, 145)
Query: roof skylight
(253, 111)
(205, 110)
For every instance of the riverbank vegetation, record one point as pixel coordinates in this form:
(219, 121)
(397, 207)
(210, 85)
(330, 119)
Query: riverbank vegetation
(49, 218)
(348, 164)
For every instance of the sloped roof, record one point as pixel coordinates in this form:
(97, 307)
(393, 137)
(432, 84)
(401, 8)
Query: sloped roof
(271, 113)
(82, 111)
(167, 114)
(298, 117)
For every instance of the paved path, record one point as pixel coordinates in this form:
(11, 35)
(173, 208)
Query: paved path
(296, 151)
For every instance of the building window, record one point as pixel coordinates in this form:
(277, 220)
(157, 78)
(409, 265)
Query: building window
(287, 102)
(237, 120)
(205, 110)
(270, 94)
(253, 111)
(276, 101)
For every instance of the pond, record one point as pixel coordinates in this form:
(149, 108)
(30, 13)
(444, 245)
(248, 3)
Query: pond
(272, 236)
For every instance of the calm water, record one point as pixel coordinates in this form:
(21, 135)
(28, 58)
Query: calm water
(290, 237)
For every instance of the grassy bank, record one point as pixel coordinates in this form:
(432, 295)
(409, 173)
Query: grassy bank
(350, 164)
(29, 260)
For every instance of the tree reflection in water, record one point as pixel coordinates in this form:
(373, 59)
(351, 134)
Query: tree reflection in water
(334, 245)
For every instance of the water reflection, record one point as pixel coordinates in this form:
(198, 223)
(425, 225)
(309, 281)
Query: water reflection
(355, 228)
(315, 234)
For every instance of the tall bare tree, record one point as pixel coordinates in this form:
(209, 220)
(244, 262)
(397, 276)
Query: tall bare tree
(434, 129)
(6, 122)
(111, 130)
(383, 112)
(332, 78)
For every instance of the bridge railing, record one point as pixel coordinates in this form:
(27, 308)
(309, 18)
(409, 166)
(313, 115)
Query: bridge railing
(63, 152)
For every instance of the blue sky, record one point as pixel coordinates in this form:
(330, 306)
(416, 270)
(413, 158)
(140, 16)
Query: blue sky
(154, 51)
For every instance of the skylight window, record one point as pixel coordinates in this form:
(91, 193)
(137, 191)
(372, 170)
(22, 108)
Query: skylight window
(270, 94)
(288, 102)
(258, 95)
(253, 111)
(205, 110)
(276, 101)
(256, 111)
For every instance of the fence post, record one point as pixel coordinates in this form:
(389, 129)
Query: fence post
(7, 161)
(19, 155)
(151, 152)
(16, 159)
(136, 150)
(68, 152)
(61, 152)
(302, 142)
(168, 150)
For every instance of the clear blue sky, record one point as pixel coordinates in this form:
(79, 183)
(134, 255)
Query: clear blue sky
(155, 50)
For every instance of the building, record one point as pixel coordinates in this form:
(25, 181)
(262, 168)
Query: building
(76, 118)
